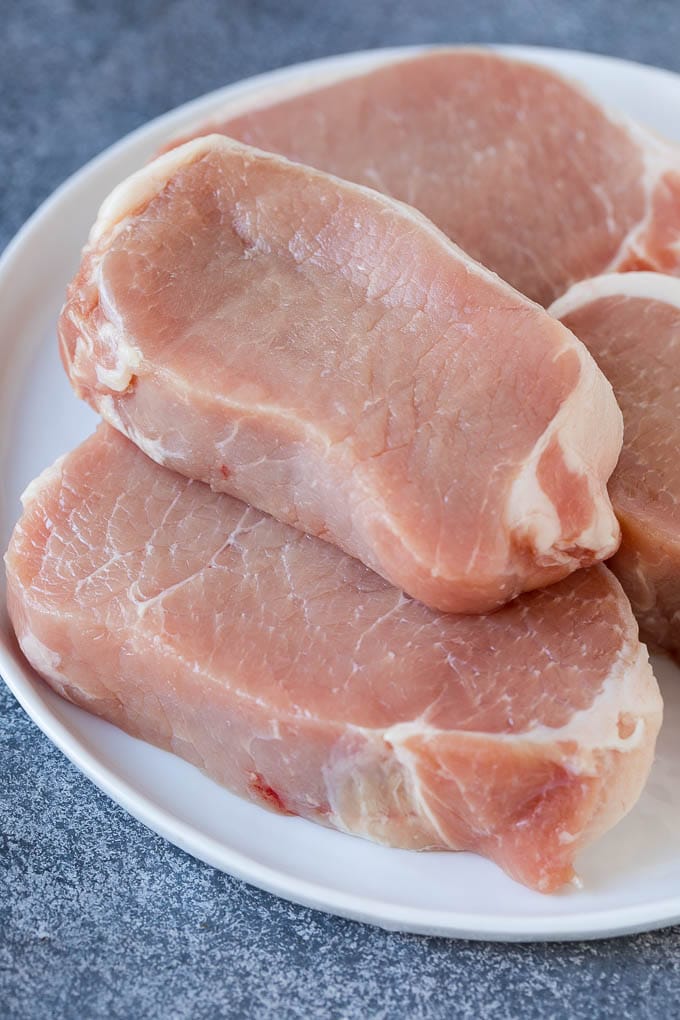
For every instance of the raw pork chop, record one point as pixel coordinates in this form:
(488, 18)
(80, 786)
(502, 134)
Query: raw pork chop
(631, 324)
(526, 172)
(328, 356)
(296, 677)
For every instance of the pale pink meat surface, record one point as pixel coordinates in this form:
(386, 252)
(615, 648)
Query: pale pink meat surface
(328, 356)
(520, 167)
(296, 677)
(631, 325)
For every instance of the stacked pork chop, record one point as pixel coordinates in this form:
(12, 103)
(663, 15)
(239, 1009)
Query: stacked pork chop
(339, 540)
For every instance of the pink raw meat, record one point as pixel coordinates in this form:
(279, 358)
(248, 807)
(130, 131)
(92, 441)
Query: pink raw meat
(520, 167)
(631, 325)
(328, 356)
(298, 678)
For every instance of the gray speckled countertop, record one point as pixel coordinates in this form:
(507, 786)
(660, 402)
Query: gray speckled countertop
(98, 916)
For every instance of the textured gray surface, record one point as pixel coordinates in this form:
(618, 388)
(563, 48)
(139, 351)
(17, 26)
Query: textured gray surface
(98, 917)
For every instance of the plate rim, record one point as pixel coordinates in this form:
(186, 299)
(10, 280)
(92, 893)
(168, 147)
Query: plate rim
(423, 921)
(614, 921)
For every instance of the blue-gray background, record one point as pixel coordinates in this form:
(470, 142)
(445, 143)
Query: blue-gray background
(98, 917)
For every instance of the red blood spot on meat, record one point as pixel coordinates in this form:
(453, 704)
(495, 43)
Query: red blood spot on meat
(267, 794)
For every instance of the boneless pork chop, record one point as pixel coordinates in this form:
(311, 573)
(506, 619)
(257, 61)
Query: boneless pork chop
(631, 325)
(520, 167)
(295, 676)
(327, 355)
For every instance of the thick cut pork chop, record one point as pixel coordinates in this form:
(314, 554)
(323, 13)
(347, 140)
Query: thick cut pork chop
(520, 167)
(295, 676)
(327, 355)
(631, 325)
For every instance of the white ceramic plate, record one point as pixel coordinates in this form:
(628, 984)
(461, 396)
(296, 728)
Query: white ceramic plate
(631, 878)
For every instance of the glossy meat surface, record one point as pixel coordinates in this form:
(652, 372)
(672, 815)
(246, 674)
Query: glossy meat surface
(521, 168)
(631, 325)
(298, 678)
(328, 356)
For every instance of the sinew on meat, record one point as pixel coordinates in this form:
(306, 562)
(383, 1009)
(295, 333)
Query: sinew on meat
(325, 354)
(298, 678)
(520, 167)
(631, 325)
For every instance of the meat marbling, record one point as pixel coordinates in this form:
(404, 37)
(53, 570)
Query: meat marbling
(295, 676)
(520, 167)
(325, 354)
(631, 325)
